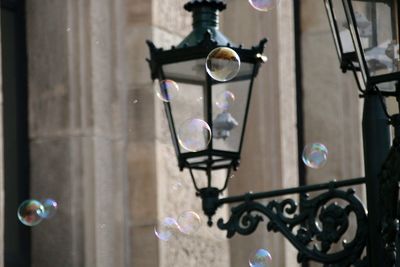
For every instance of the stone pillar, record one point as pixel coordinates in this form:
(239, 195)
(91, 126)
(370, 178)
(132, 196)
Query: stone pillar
(152, 164)
(331, 102)
(332, 108)
(269, 156)
(77, 124)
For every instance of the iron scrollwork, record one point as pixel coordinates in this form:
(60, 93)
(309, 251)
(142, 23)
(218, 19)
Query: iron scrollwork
(313, 227)
(389, 192)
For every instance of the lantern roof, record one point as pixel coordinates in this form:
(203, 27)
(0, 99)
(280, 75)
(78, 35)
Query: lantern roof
(217, 4)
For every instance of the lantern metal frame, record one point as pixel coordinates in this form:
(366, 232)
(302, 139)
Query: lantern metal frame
(315, 225)
(197, 46)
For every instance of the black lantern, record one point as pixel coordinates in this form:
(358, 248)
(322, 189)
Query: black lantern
(366, 35)
(222, 105)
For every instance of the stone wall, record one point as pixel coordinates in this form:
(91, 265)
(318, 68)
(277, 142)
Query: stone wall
(77, 131)
(332, 109)
(269, 156)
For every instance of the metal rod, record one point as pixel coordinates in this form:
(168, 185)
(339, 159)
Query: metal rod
(376, 138)
(293, 190)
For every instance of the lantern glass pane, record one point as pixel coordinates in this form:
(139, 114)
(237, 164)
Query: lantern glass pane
(339, 27)
(191, 71)
(229, 108)
(187, 105)
(377, 26)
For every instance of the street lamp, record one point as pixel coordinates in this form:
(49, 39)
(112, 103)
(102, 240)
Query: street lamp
(316, 225)
(222, 102)
(366, 36)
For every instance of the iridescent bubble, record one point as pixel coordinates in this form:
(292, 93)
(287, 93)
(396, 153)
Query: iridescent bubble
(264, 5)
(194, 135)
(189, 222)
(29, 212)
(225, 100)
(166, 229)
(315, 155)
(261, 258)
(176, 187)
(50, 208)
(167, 90)
(222, 64)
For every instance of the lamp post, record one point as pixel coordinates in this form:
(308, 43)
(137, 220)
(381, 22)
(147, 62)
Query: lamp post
(316, 225)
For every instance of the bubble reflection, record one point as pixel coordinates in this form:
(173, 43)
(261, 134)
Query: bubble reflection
(315, 155)
(189, 222)
(223, 64)
(194, 135)
(261, 258)
(29, 212)
(166, 229)
(264, 5)
(167, 90)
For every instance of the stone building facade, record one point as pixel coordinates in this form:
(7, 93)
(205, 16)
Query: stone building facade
(100, 146)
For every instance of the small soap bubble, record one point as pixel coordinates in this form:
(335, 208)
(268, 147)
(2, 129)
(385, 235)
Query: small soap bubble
(29, 212)
(50, 208)
(199, 100)
(315, 155)
(222, 64)
(167, 90)
(176, 187)
(194, 135)
(166, 229)
(225, 100)
(264, 5)
(135, 101)
(68, 29)
(261, 258)
(189, 222)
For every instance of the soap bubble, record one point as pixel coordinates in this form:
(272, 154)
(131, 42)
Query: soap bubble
(222, 64)
(189, 222)
(176, 187)
(261, 258)
(50, 208)
(264, 5)
(29, 212)
(167, 90)
(166, 229)
(194, 135)
(315, 155)
(225, 100)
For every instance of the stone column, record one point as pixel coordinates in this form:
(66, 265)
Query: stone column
(269, 158)
(77, 124)
(332, 108)
(331, 102)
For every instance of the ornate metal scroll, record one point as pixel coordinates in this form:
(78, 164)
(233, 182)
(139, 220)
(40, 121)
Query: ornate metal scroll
(389, 197)
(313, 227)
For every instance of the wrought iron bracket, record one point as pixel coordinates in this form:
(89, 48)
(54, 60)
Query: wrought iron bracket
(316, 226)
